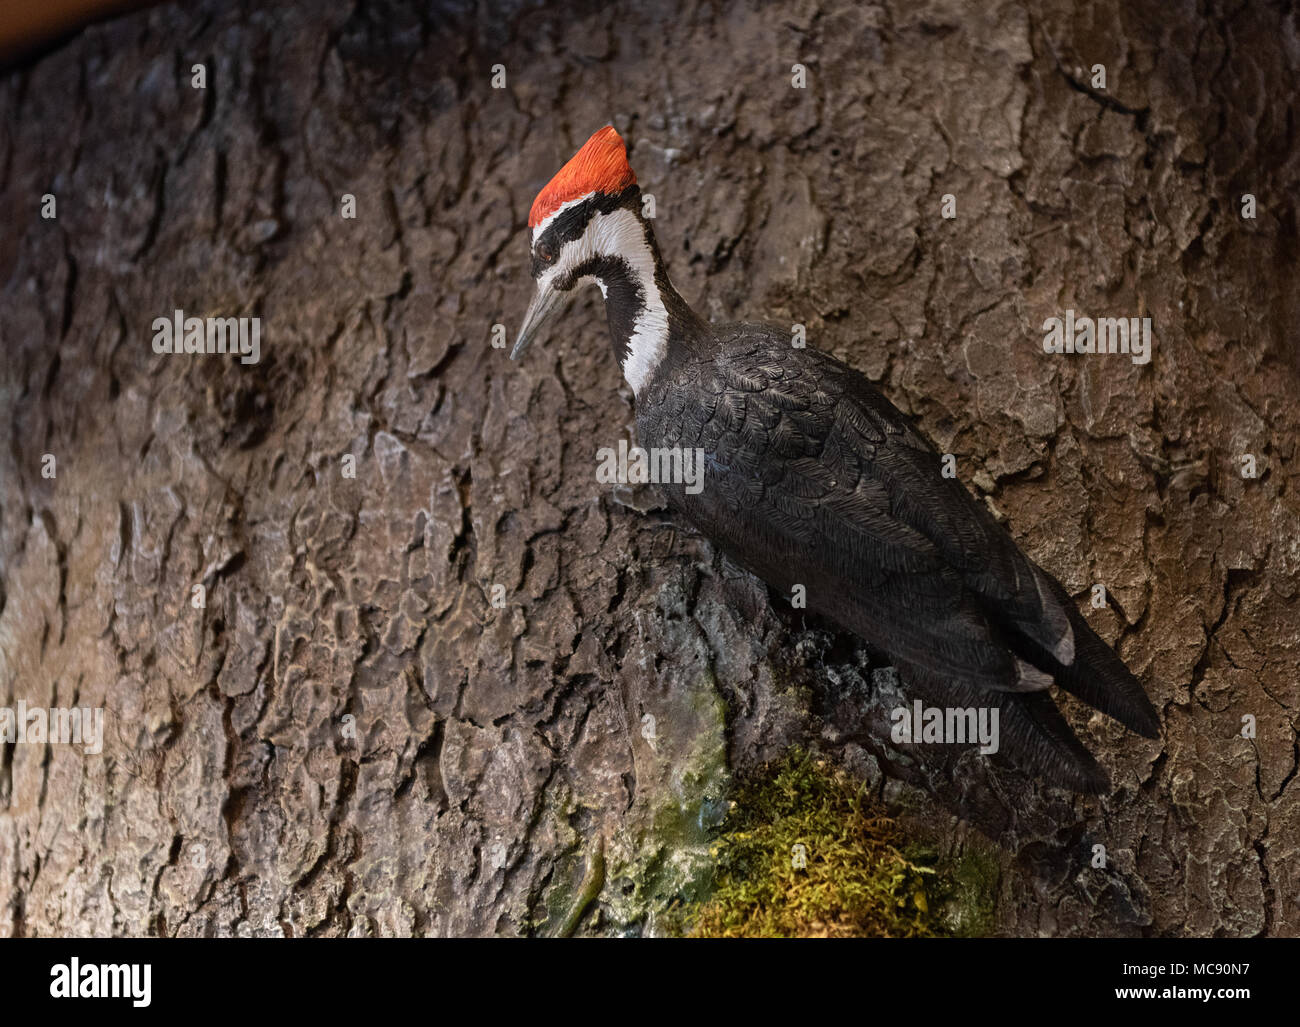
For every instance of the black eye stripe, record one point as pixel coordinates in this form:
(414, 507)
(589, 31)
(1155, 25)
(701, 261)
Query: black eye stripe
(608, 269)
(571, 223)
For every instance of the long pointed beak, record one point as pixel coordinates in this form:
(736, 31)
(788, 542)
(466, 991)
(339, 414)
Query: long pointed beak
(538, 311)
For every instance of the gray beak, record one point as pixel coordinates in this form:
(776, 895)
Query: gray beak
(538, 311)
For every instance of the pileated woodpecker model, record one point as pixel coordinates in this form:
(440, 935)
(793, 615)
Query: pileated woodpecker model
(813, 478)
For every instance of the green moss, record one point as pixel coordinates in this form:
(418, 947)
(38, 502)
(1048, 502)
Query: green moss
(593, 880)
(806, 853)
(966, 891)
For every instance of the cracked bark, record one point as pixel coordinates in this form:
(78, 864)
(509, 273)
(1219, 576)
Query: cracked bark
(490, 754)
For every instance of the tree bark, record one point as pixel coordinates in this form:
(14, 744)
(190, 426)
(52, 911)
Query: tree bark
(350, 736)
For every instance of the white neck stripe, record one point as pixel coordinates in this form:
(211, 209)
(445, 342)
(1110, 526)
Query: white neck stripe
(620, 233)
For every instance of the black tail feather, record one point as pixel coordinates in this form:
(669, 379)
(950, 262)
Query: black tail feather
(1096, 674)
(1040, 737)
(1031, 731)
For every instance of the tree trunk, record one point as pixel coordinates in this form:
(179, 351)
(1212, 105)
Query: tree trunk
(350, 729)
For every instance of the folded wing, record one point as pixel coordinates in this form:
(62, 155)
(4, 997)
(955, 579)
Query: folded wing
(813, 478)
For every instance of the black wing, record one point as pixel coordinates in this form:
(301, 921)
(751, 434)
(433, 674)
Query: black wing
(812, 477)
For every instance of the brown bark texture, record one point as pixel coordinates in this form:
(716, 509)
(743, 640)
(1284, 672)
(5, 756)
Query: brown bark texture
(349, 737)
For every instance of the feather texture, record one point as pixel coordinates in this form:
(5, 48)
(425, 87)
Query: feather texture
(812, 477)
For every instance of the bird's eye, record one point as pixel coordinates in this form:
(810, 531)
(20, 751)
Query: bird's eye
(546, 252)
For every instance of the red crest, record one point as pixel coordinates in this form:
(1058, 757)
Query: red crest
(600, 166)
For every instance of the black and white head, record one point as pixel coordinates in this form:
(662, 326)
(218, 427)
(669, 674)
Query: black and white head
(587, 228)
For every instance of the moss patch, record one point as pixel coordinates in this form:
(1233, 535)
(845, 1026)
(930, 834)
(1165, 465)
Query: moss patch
(965, 892)
(806, 853)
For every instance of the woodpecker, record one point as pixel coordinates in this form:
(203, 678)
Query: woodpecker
(812, 477)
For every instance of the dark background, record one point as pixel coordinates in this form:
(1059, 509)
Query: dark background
(497, 750)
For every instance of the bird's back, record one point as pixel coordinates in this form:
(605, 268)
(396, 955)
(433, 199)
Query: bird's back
(813, 478)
